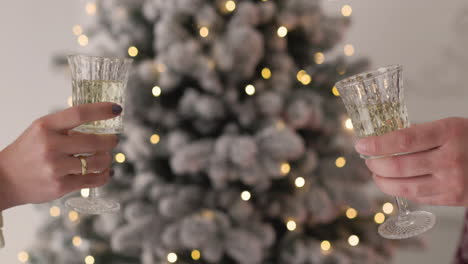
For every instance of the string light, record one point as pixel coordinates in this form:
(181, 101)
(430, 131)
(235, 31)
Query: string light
(325, 245)
(266, 73)
(250, 89)
(346, 10)
(84, 192)
(335, 91)
(280, 125)
(77, 30)
(120, 158)
(161, 67)
(282, 31)
(172, 257)
(54, 211)
(319, 58)
(299, 182)
(83, 40)
(230, 5)
(70, 101)
(306, 79)
(23, 256)
(155, 138)
(300, 74)
(245, 195)
(353, 240)
(76, 240)
(156, 91)
(89, 260)
(379, 218)
(285, 168)
(132, 51)
(196, 254)
(387, 208)
(73, 216)
(351, 213)
(349, 124)
(349, 50)
(291, 225)
(340, 162)
(91, 8)
(204, 32)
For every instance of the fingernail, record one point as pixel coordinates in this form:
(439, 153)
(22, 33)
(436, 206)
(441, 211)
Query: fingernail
(116, 109)
(361, 146)
(111, 172)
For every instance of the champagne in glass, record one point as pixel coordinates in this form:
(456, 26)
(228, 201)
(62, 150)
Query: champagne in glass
(98, 79)
(375, 103)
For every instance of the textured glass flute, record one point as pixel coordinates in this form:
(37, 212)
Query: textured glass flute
(375, 102)
(98, 79)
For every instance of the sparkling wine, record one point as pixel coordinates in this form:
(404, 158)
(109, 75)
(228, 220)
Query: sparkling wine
(86, 91)
(378, 119)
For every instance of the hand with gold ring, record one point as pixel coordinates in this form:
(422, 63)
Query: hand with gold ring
(41, 164)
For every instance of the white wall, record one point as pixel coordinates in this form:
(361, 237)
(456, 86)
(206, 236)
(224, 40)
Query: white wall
(418, 34)
(30, 33)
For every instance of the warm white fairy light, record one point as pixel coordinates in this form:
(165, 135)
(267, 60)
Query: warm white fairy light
(54, 211)
(282, 31)
(285, 168)
(91, 8)
(387, 208)
(250, 89)
(120, 157)
(346, 10)
(266, 73)
(351, 213)
(230, 5)
(154, 139)
(379, 218)
(89, 260)
(340, 162)
(83, 40)
(156, 91)
(84, 192)
(204, 32)
(132, 51)
(172, 257)
(299, 182)
(291, 225)
(335, 91)
(353, 240)
(196, 254)
(23, 256)
(348, 50)
(77, 30)
(76, 240)
(73, 216)
(245, 195)
(325, 245)
(349, 124)
(319, 58)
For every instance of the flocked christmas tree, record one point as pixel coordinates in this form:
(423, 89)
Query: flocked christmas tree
(235, 149)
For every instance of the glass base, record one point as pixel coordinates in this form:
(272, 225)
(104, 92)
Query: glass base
(92, 205)
(415, 223)
(98, 130)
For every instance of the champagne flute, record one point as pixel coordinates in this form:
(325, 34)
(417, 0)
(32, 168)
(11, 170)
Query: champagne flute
(98, 79)
(374, 101)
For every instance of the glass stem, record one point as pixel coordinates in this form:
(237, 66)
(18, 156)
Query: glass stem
(403, 211)
(93, 193)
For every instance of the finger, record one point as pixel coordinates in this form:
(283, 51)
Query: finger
(414, 187)
(409, 165)
(416, 138)
(80, 114)
(92, 180)
(88, 143)
(96, 163)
